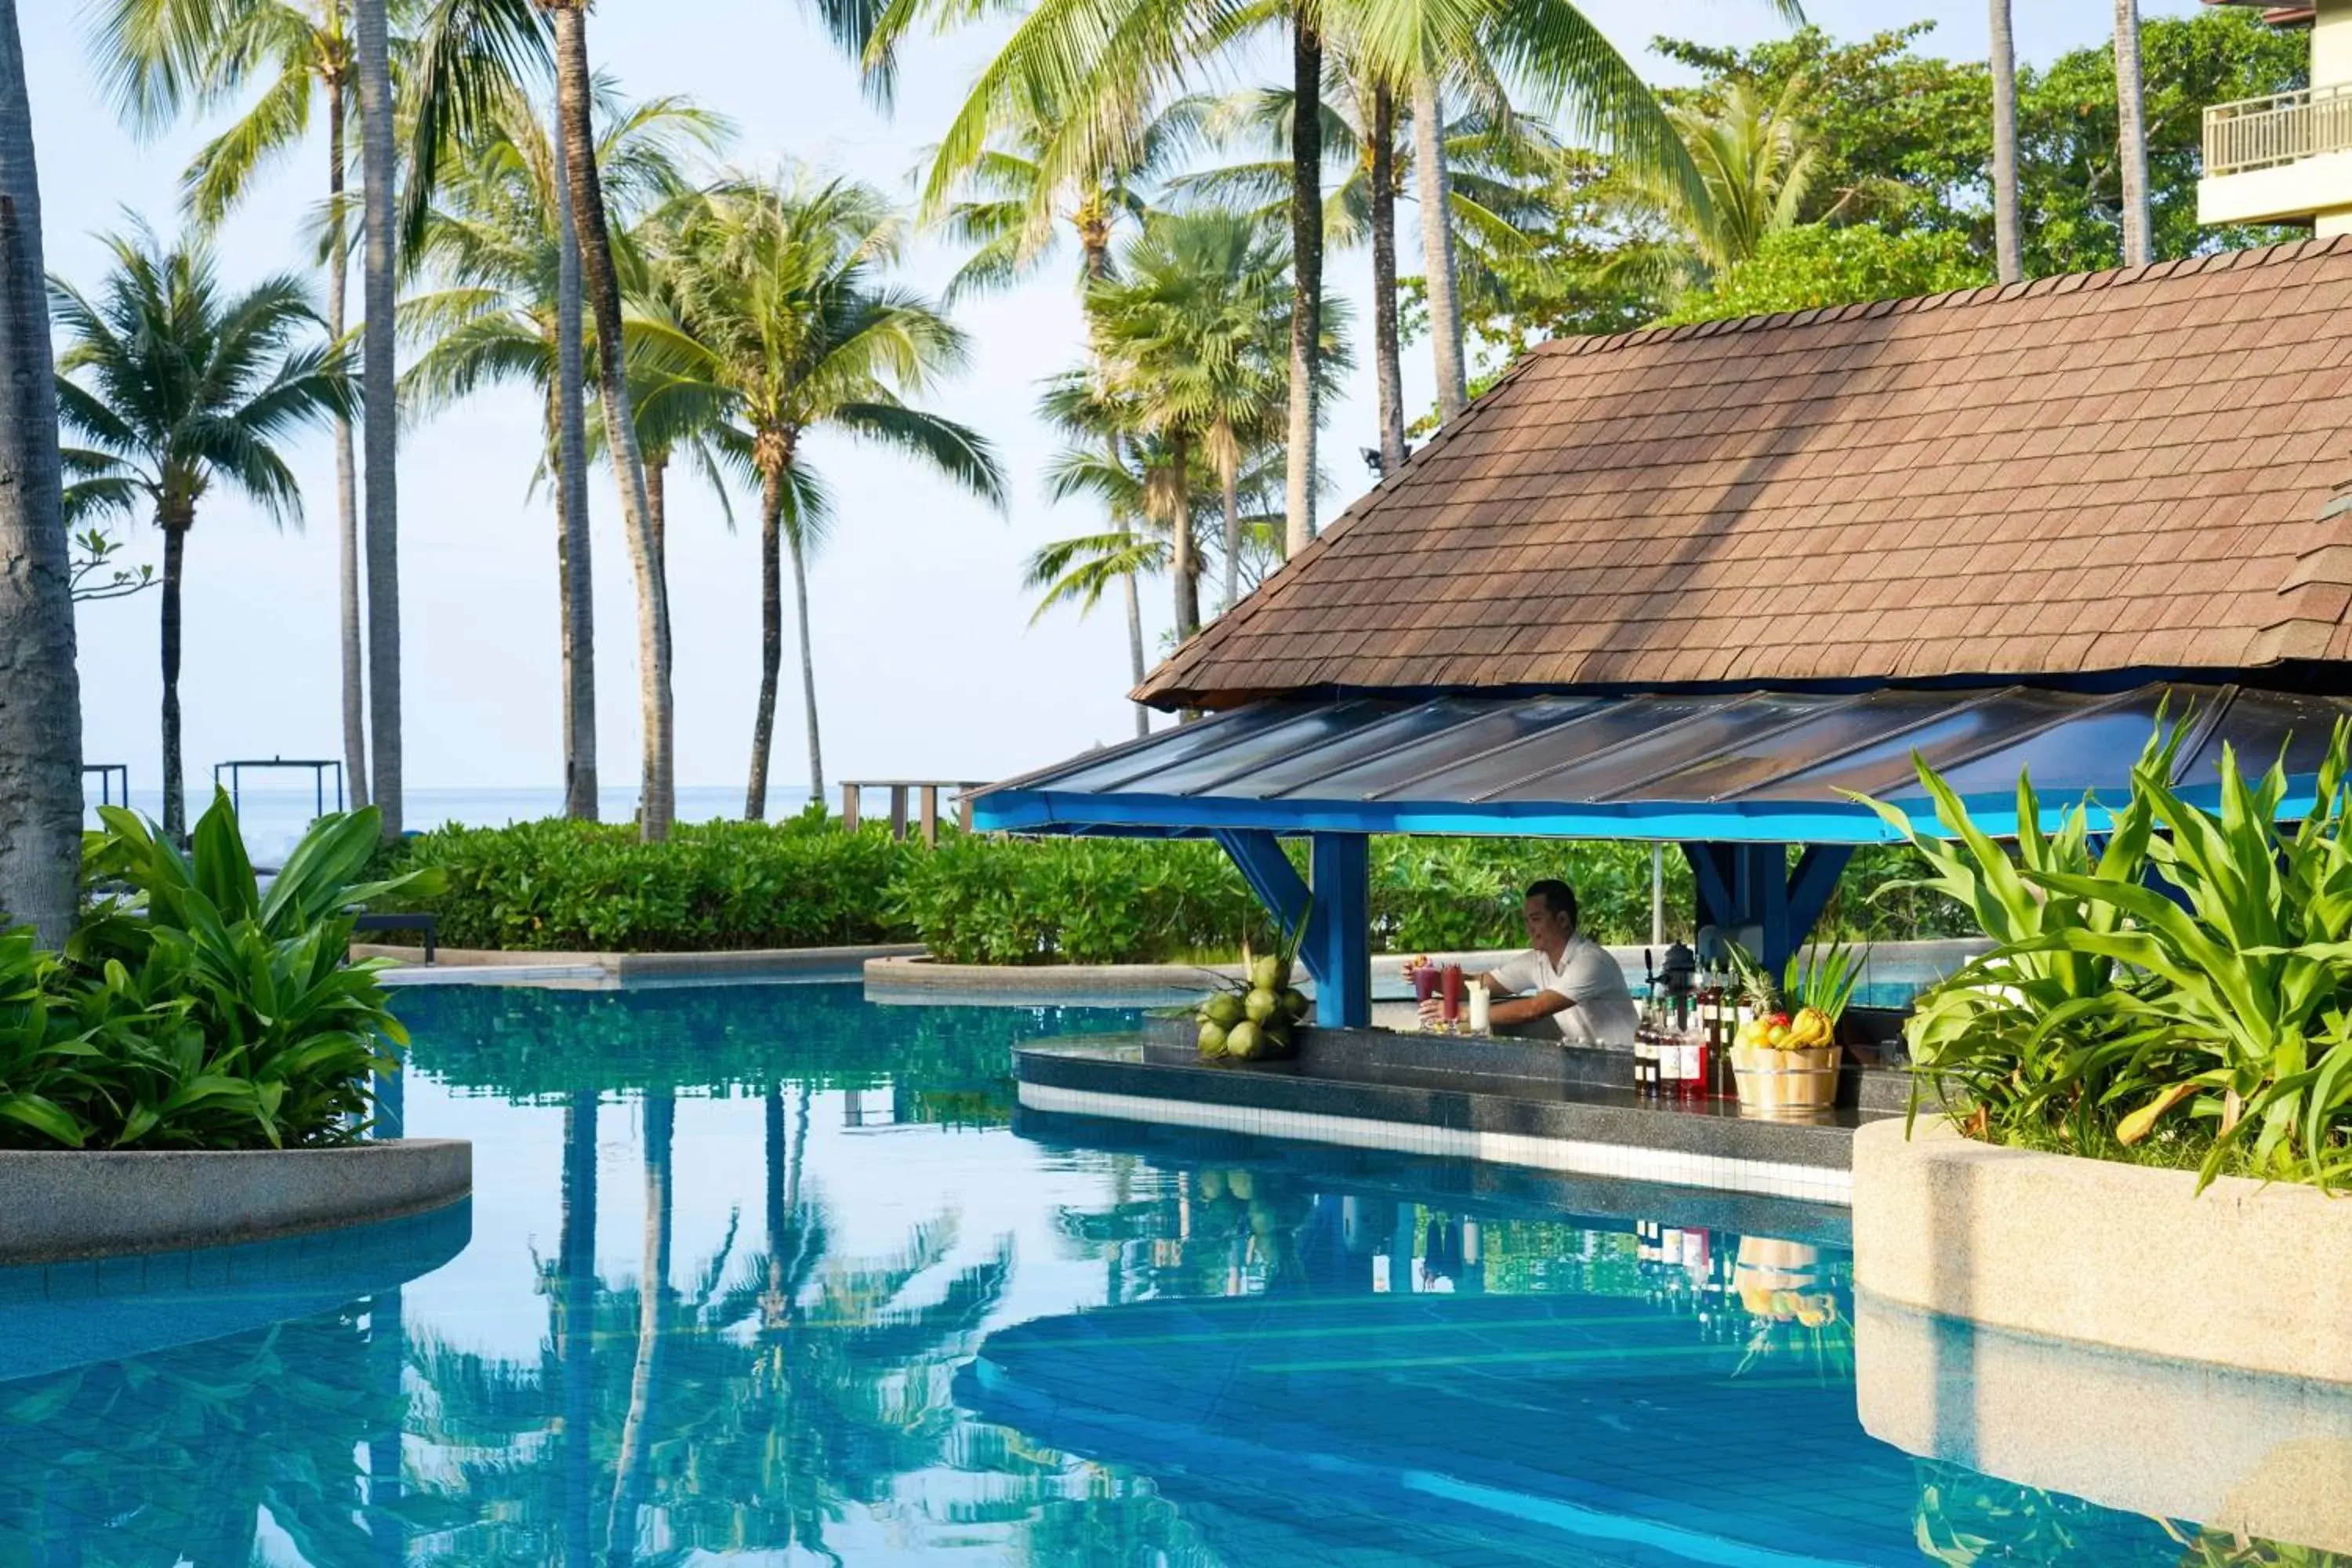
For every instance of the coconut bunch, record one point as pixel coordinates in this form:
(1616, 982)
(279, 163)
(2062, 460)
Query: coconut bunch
(1253, 1019)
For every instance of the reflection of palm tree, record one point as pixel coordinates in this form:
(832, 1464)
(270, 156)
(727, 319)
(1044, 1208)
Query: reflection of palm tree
(653, 1294)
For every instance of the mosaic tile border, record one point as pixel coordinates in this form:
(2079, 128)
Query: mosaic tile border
(1577, 1156)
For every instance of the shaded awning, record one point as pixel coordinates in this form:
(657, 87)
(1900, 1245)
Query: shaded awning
(1757, 766)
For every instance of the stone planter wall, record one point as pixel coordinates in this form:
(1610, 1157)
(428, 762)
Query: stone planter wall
(2252, 1276)
(73, 1203)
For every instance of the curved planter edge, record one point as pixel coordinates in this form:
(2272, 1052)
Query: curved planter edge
(55, 1206)
(2251, 1276)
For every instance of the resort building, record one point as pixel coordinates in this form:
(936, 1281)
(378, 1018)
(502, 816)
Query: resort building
(2287, 158)
(1696, 584)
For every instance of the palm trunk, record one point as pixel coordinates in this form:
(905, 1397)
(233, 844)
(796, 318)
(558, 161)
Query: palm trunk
(657, 510)
(1135, 649)
(1229, 473)
(772, 640)
(1306, 281)
(2008, 244)
(658, 794)
(40, 715)
(653, 1287)
(379, 380)
(1434, 191)
(347, 494)
(579, 610)
(1387, 362)
(1184, 560)
(575, 1338)
(2131, 116)
(176, 789)
(808, 667)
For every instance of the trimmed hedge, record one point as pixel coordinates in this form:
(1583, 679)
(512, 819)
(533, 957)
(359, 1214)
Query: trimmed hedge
(557, 885)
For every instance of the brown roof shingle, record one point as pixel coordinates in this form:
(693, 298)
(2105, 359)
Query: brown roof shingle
(2102, 472)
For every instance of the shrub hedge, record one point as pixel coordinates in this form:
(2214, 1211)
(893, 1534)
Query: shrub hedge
(557, 885)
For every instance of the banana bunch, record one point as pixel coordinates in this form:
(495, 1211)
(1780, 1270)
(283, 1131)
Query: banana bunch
(1809, 1030)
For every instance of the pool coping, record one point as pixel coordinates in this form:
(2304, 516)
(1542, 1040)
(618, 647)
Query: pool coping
(70, 1204)
(489, 966)
(2252, 1276)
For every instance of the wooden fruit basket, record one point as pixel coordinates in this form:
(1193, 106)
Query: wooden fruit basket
(1786, 1083)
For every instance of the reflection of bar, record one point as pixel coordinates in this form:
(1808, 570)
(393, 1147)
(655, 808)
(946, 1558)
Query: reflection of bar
(2261, 1456)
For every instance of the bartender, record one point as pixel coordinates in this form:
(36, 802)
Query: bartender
(1565, 988)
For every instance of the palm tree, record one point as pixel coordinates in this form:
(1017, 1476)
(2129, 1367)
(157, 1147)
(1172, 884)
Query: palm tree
(499, 242)
(2131, 116)
(782, 312)
(159, 62)
(2009, 247)
(1193, 334)
(371, 59)
(1106, 63)
(40, 725)
(172, 386)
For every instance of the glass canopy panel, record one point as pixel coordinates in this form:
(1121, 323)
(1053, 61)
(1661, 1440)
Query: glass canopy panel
(1303, 774)
(1884, 768)
(1309, 728)
(1174, 748)
(1838, 730)
(2094, 751)
(1541, 749)
(1628, 772)
(1486, 748)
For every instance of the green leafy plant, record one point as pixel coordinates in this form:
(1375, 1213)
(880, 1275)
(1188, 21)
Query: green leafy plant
(2189, 982)
(191, 1009)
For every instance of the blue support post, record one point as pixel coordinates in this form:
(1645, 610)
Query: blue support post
(1811, 885)
(1338, 935)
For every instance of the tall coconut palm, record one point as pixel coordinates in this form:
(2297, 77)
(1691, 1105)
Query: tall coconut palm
(2008, 241)
(783, 311)
(41, 724)
(499, 242)
(174, 386)
(1194, 333)
(159, 61)
(1109, 62)
(371, 62)
(1101, 462)
(1008, 210)
(2131, 119)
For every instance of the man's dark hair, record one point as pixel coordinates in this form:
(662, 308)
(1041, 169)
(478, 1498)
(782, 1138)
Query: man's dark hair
(1558, 894)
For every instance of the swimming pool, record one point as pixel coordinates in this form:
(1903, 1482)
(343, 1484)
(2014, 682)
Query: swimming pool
(769, 1274)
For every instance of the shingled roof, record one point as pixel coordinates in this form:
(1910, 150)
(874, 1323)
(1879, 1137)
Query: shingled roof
(2110, 471)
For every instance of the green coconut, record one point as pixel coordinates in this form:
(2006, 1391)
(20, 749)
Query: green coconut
(1242, 1185)
(1265, 974)
(1213, 1038)
(1223, 1009)
(1261, 1005)
(1212, 1185)
(1244, 1040)
(1294, 1003)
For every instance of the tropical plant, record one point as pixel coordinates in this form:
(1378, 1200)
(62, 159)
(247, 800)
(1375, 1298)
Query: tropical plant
(783, 319)
(498, 242)
(41, 724)
(2202, 958)
(160, 62)
(193, 1010)
(175, 385)
(1191, 334)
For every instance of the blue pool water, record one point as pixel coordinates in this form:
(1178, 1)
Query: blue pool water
(770, 1275)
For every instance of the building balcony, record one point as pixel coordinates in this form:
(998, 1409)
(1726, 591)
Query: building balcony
(2282, 159)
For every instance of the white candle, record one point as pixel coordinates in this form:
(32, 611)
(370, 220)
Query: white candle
(1479, 1002)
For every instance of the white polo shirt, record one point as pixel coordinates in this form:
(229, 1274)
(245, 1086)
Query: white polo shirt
(1602, 1013)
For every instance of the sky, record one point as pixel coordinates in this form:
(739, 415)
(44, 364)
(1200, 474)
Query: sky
(927, 664)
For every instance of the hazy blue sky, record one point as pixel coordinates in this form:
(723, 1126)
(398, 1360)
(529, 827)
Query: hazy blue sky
(926, 665)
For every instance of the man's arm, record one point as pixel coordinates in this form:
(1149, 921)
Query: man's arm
(1528, 1009)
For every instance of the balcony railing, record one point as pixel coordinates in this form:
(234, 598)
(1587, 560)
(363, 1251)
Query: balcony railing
(2263, 133)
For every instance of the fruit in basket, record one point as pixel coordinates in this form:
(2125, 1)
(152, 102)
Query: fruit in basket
(1223, 1009)
(1809, 1030)
(1244, 1040)
(1261, 1004)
